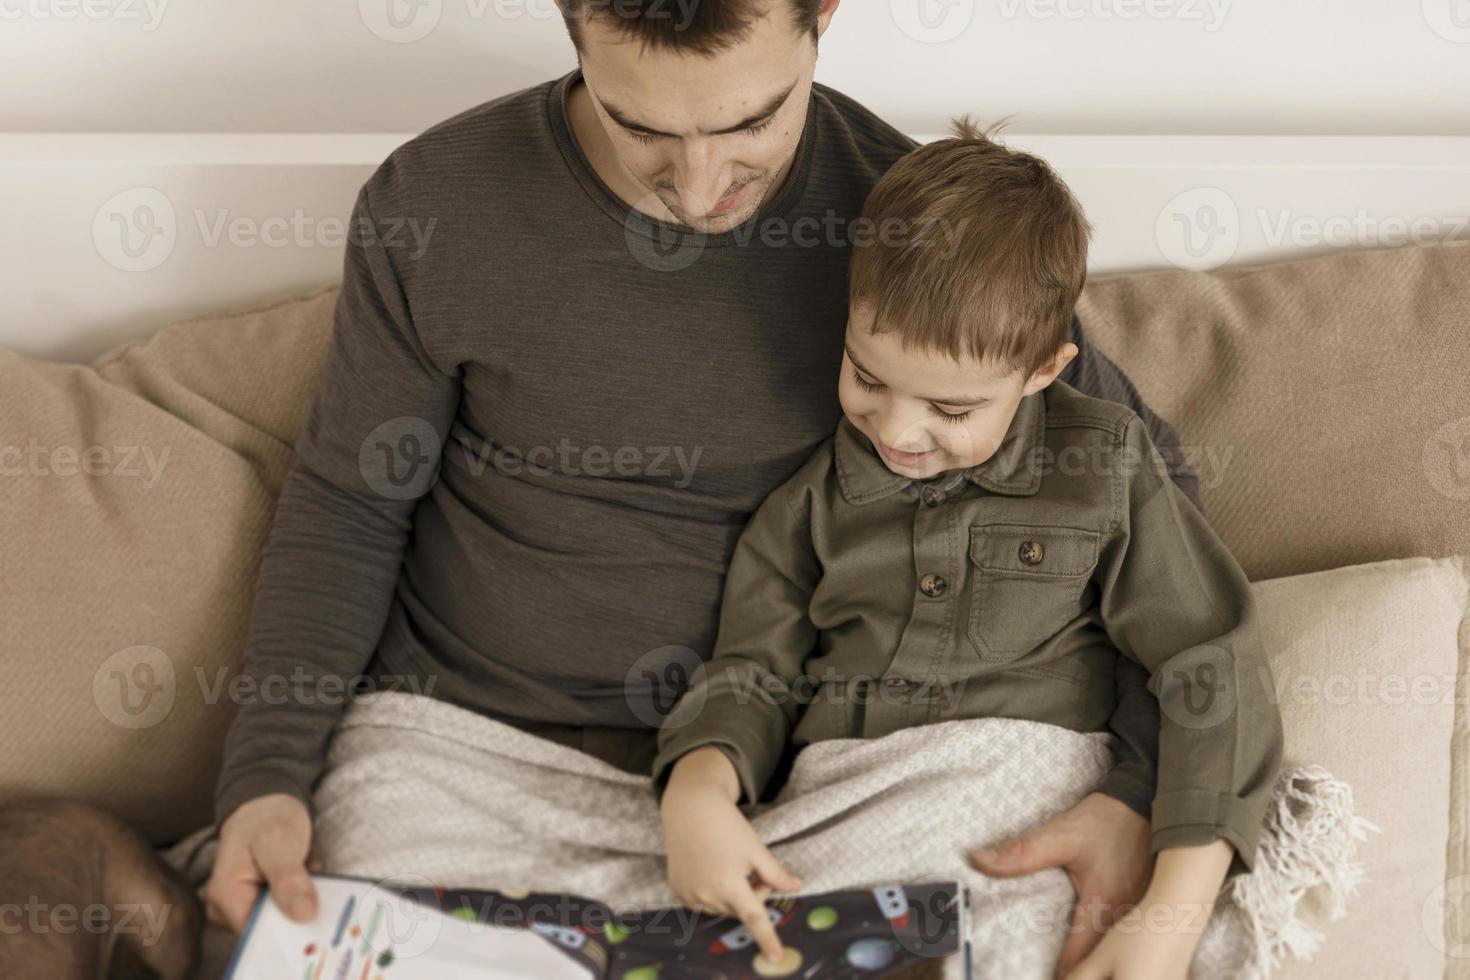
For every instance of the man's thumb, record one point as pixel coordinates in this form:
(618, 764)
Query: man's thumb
(1024, 854)
(289, 882)
(295, 894)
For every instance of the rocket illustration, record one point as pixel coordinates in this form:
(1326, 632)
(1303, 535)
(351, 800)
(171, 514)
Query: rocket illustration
(561, 935)
(894, 904)
(740, 937)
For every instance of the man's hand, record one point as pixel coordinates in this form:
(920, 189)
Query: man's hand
(717, 862)
(1156, 939)
(1104, 848)
(264, 841)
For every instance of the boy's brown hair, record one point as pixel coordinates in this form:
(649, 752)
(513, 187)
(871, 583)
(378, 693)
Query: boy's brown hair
(694, 26)
(990, 257)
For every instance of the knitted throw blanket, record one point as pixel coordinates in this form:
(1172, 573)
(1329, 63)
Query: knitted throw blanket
(418, 789)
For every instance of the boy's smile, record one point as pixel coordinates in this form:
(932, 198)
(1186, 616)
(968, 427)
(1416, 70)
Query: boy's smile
(925, 412)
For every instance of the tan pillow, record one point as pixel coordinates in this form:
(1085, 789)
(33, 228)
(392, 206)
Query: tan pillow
(136, 496)
(1367, 662)
(115, 575)
(1327, 400)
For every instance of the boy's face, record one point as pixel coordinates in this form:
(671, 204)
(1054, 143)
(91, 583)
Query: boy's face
(924, 412)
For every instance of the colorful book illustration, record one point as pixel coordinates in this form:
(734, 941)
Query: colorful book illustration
(366, 930)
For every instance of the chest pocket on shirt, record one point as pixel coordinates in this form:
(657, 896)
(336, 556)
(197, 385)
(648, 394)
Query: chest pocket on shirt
(1026, 584)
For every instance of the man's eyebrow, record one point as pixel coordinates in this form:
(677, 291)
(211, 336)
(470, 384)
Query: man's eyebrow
(967, 400)
(769, 109)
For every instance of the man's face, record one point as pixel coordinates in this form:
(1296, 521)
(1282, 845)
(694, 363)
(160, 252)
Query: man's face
(710, 136)
(924, 412)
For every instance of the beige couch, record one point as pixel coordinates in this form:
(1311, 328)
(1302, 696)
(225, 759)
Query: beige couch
(1325, 402)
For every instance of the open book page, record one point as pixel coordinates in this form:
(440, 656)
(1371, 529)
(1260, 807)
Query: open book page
(393, 931)
(367, 931)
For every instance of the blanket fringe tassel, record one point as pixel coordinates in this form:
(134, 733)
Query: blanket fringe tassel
(1308, 844)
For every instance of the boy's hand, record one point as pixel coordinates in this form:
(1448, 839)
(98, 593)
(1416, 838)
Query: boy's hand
(1132, 950)
(717, 862)
(264, 841)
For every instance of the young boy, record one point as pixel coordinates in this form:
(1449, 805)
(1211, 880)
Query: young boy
(974, 522)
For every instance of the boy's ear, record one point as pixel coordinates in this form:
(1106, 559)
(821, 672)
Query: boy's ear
(1048, 372)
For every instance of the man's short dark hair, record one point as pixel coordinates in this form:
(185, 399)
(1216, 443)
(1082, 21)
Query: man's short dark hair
(704, 27)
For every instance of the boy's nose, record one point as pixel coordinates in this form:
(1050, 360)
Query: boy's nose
(905, 434)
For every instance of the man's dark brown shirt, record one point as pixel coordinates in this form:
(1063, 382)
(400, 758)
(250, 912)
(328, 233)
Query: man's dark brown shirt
(543, 423)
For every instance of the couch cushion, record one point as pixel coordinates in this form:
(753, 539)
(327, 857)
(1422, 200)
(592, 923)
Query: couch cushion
(137, 494)
(1324, 401)
(1367, 663)
(120, 581)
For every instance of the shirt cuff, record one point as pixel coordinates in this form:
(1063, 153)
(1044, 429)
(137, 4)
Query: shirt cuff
(752, 735)
(1187, 818)
(253, 784)
(1131, 787)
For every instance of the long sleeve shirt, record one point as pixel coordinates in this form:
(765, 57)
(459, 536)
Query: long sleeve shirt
(539, 432)
(860, 601)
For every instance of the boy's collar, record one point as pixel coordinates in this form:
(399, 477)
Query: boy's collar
(1012, 469)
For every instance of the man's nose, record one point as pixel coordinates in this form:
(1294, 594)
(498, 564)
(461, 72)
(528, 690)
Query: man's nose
(702, 177)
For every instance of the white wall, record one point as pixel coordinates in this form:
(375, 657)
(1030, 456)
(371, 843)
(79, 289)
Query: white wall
(252, 217)
(276, 110)
(1062, 66)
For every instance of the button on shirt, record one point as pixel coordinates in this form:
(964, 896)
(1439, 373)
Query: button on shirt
(860, 602)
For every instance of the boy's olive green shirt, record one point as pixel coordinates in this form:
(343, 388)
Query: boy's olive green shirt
(860, 602)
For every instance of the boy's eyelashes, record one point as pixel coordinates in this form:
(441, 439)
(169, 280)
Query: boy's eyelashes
(874, 387)
(864, 383)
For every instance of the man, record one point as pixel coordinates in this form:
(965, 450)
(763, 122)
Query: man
(539, 434)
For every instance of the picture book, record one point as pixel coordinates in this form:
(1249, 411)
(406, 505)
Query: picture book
(381, 930)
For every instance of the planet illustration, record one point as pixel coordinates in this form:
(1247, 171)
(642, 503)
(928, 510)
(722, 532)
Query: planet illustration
(870, 954)
(821, 918)
(788, 964)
